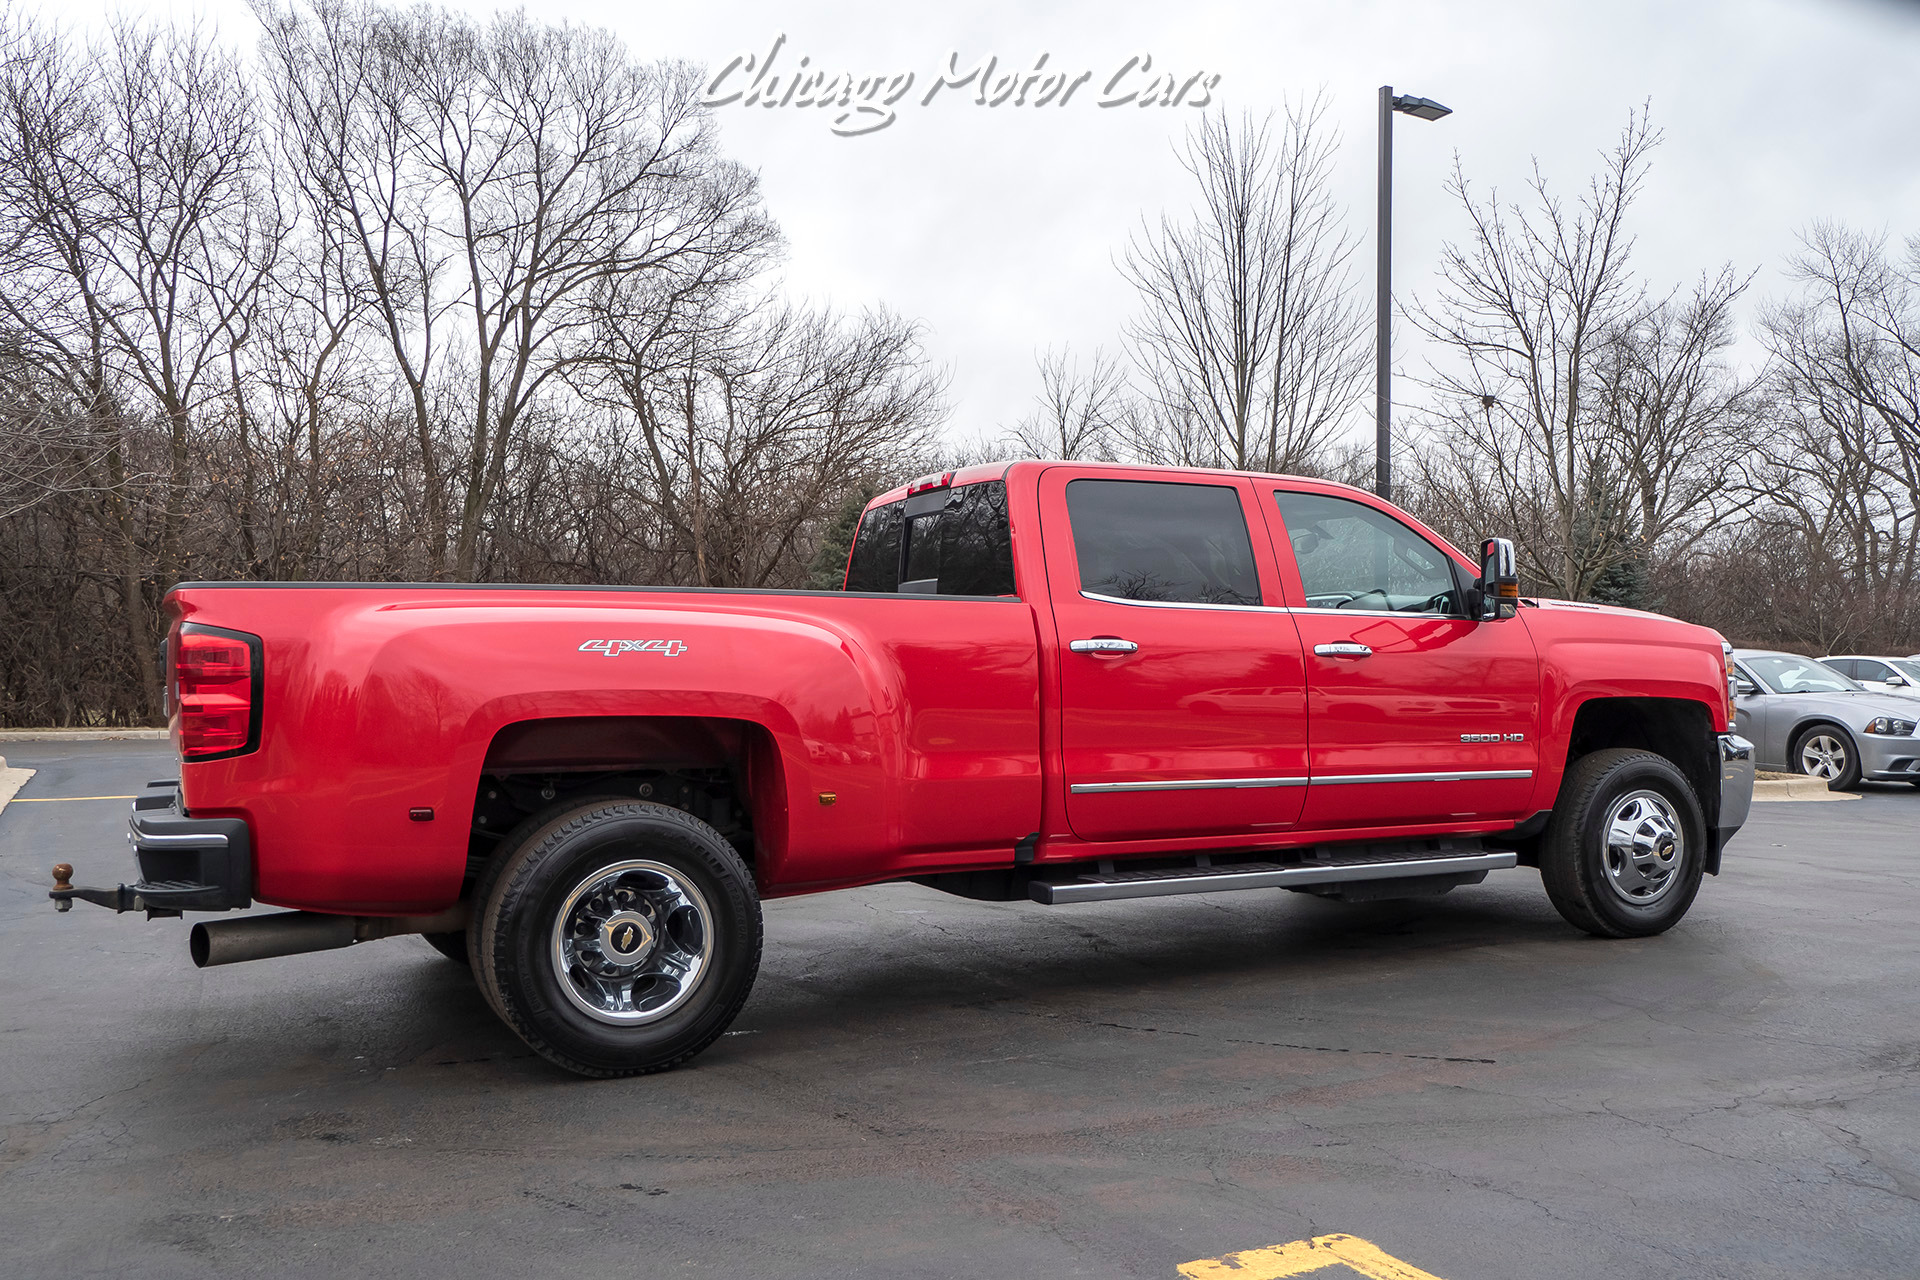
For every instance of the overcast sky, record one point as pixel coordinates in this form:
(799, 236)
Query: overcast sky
(998, 227)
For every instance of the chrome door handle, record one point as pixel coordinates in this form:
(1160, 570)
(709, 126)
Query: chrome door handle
(1102, 644)
(1344, 650)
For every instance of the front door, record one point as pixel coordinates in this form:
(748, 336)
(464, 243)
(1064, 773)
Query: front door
(1416, 713)
(1182, 693)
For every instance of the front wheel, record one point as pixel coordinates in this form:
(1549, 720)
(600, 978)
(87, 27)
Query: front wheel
(618, 938)
(1625, 848)
(1826, 752)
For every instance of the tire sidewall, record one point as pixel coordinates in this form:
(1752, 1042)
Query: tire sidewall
(531, 893)
(1642, 773)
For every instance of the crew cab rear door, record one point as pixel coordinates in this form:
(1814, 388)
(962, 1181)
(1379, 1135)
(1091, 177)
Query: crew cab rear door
(1416, 713)
(1182, 694)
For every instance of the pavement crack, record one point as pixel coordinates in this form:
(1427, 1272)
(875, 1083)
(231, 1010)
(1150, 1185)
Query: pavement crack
(1265, 1044)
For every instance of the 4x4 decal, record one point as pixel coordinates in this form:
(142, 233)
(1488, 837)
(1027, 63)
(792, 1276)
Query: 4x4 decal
(614, 648)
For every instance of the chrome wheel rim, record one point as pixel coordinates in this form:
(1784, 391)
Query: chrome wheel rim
(1646, 847)
(1824, 756)
(632, 942)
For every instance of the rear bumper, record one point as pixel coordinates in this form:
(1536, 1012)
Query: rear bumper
(185, 863)
(205, 864)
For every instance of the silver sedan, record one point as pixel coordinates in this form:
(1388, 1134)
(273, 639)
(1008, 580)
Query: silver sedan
(1805, 717)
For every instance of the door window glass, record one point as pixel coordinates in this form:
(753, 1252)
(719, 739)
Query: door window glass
(1150, 540)
(1866, 669)
(1352, 556)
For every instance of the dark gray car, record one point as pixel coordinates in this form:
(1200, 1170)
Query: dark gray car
(1805, 717)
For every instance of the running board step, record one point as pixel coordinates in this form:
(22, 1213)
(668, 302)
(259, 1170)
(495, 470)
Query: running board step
(1262, 875)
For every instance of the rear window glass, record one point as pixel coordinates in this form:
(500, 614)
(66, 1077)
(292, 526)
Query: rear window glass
(875, 565)
(954, 542)
(1150, 540)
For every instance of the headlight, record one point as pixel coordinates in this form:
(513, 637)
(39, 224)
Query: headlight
(1887, 726)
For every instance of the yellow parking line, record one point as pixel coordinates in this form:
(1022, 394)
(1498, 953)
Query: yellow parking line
(62, 799)
(1302, 1257)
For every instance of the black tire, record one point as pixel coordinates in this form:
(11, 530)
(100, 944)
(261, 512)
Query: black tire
(451, 945)
(532, 826)
(1592, 886)
(1849, 777)
(542, 914)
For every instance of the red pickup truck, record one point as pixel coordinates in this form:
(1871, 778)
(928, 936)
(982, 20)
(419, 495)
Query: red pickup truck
(1043, 681)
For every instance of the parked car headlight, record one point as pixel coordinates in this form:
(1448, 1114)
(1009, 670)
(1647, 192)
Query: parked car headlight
(1889, 727)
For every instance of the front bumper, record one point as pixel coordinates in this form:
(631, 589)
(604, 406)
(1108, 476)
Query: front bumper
(1736, 791)
(1884, 758)
(185, 863)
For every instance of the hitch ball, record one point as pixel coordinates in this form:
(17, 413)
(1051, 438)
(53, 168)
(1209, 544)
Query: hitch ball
(62, 879)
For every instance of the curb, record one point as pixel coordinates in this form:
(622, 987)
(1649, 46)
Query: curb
(1768, 789)
(79, 735)
(11, 780)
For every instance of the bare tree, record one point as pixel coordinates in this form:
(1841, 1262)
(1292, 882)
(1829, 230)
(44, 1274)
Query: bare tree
(1250, 343)
(130, 199)
(496, 180)
(1079, 414)
(746, 446)
(1836, 478)
(462, 299)
(1593, 424)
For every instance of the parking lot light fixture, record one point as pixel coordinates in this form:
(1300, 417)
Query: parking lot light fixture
(1421, 109)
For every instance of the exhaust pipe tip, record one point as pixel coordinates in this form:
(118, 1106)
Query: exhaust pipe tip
(289, 933)
(286, 933)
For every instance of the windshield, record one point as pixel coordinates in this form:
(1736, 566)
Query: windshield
(1799, 675)
(1906, 667)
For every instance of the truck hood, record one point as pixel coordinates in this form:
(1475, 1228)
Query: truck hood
(1585, 606)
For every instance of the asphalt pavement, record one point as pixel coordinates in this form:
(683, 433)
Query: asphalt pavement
(923, 1086)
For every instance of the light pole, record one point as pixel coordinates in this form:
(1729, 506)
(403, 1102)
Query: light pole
(1424, 109)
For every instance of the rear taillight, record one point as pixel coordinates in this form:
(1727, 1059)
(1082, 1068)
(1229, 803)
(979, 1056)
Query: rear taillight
(216, 692)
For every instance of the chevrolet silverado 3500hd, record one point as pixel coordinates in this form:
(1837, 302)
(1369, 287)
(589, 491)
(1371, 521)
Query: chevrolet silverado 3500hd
(1044, 681)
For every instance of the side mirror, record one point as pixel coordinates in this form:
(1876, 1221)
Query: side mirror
(1743, 687)
(1497, 593)
(1894, 681)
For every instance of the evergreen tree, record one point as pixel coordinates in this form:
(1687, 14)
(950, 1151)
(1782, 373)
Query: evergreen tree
(828, 570)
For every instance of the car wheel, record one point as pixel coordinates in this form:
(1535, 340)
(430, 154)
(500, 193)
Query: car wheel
(1625, 848)
(1826, 751)
(451, 945)
(618, 938)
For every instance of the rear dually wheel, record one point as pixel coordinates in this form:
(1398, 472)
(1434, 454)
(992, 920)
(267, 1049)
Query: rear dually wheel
(617, 938)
